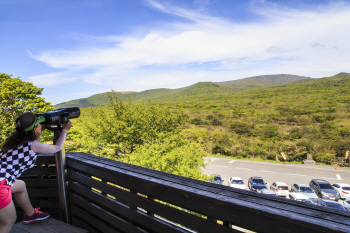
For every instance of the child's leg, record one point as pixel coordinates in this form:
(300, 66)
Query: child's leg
(7, 218)
(21, 196)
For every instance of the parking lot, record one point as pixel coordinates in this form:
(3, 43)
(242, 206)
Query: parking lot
(274, 172)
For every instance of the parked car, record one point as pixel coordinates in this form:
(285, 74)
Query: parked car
(256, 184)
(236, 182)
(304, 189)
(347, 204)
(217, 179)
(327, 203)
(342, 189)
(280, 188)
(324, 189)
(299, 197)
(268, 192)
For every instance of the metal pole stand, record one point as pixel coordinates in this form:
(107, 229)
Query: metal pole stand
(60, 158)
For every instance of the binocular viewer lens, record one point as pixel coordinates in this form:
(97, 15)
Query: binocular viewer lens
(60, 116)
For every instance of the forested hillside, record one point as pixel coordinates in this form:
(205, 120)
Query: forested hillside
(306, 116)
(198, 90)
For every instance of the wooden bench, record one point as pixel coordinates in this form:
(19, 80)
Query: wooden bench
(49, 225)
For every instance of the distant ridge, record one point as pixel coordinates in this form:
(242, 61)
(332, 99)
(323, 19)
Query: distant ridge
(199, 90)
(264, 80)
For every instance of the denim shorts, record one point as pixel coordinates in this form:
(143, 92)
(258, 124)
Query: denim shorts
(5, 194)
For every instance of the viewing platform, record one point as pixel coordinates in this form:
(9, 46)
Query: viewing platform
(49, 225)
(108, 196)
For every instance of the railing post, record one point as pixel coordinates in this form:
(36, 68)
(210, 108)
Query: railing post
(132, 206)
(227, 224)
(60, 158)
(152, 199)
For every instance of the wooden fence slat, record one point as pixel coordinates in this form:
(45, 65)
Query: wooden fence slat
(40, 172)
(40, 183)
(178, 216)
(92, 220)
(139, 217)
(43, 193)
(112, 219)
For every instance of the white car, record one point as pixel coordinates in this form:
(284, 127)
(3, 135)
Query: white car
(299, 197)
(268, 192)
(347, 204)
(281, 189)
(304, 189)
(236, 182)
(343, 190)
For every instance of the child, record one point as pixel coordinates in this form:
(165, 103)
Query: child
(17, 154)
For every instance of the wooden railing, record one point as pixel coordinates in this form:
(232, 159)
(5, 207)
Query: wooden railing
(41, 182)
(111, 196)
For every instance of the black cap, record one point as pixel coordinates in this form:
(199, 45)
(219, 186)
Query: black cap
(25, 120)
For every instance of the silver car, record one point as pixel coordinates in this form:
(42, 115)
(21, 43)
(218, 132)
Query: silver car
(347, 204)
(304, 189)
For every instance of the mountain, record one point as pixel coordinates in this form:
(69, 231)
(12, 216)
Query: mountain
(202, 90)
(262, 81)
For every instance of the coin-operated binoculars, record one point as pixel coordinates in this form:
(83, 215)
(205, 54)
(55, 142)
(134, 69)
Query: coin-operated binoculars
(53, 122)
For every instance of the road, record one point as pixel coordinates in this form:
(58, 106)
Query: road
(273, 172)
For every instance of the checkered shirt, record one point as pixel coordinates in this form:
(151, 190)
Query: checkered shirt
(15, 161)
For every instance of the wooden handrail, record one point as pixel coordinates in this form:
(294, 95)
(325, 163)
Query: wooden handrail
(111, 196)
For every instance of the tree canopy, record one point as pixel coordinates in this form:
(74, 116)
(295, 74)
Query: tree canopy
(17, 97)
(144, 134)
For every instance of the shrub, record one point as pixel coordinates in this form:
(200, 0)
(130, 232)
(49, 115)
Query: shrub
(215, 121)
(222, 114)
(344, 131)
(293, 151)
(317, 118)
(197, 135)
(241, 128)
(222, 142)
(266, 131)
(196, 121)
(332, 109)
(209, 117)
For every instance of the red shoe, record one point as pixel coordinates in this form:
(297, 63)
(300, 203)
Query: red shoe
(38, 215)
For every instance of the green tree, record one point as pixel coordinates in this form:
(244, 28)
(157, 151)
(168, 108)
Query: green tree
(170, 153)
(17, 97)
(116, 129)
(144, 134)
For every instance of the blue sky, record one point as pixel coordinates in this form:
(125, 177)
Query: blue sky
(74, 49)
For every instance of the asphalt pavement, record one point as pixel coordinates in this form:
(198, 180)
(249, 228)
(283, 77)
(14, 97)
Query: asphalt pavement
(275, 172)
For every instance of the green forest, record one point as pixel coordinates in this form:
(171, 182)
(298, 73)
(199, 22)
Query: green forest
(306, 116)
(176, 134)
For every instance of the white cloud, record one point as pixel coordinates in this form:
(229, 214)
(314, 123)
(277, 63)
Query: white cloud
(52, 79)
(273, 49)
(213, 49)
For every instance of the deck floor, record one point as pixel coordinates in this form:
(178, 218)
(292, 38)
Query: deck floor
(49, 225)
